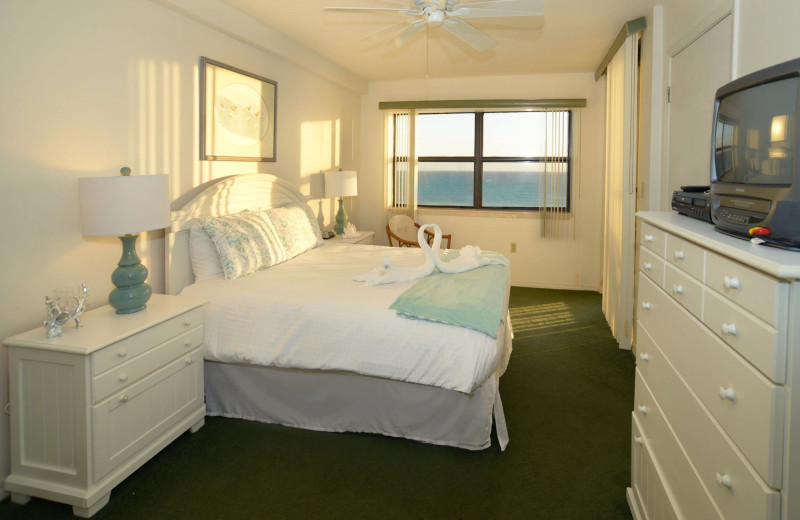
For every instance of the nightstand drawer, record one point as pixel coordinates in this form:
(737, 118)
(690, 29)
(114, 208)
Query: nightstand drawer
(760, 343)
(653, 239)
(134, 345)
(131, 371)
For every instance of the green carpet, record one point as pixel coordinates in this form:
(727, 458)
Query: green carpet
(568, 393)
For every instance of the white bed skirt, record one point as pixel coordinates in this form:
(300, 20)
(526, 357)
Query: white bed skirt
(343, 402)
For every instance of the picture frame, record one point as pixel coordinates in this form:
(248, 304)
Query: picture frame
(238, 114)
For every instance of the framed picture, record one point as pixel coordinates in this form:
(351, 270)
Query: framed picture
(237, 114)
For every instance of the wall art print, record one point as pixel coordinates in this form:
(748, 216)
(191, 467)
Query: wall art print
(237, 114)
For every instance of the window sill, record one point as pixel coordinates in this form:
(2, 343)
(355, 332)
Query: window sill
(481, 213)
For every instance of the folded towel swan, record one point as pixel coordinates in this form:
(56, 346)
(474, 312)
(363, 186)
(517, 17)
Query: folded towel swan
(469, 258)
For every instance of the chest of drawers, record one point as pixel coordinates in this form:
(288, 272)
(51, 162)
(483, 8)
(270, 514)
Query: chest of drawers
(717, 365)
(90, 407)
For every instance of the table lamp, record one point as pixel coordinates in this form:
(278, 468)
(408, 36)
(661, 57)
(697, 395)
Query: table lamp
(341, 184)
(125, 206)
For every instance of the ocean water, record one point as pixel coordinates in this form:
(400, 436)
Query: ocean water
(501, 189)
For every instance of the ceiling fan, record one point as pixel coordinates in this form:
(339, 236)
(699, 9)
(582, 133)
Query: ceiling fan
(450, 15)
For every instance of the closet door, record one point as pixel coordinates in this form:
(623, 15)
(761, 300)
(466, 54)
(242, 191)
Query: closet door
(698, 66)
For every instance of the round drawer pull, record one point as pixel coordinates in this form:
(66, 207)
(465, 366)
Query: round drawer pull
(187, 323)
(187, 343)
(648, 266)
(123, 378)
(643, 409)
(677, 289)
(124, 398)
(732, 283)
(638, 440)
(724, 481)
(679, 255)
(645, 357)
(188, 361)
(729, 329)
(648, 238)
(726, 393)
(122, 353)
(646, 306)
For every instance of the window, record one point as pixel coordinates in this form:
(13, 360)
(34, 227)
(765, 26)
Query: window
(490, 160)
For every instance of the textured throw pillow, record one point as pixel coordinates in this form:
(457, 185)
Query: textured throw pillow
(297, 228)
(203, 254)
(245, 242)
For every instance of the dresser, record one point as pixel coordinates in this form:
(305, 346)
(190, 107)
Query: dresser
(90, 407)
(717, 376)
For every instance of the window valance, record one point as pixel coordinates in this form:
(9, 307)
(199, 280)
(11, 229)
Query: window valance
(483, 104)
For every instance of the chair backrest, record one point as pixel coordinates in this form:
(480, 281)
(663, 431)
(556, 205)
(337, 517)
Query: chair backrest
(403, 226)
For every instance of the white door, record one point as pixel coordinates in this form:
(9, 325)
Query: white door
(696, 71)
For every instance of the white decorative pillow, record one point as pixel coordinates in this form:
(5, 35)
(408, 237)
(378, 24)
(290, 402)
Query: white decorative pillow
(203, 253)
(245, 242)
(297, 228)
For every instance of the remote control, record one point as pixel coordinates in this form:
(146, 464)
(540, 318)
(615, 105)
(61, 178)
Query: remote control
(695, 189)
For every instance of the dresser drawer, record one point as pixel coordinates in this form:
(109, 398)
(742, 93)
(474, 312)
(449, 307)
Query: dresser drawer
(678, 476)
(747, 406)
(689, 257)
(653, 239)
(760, 343)
(646, 479)
(651, 265)
(760, 294)
(684, 289)
(121, 351)
(131, 371)
(732, 483)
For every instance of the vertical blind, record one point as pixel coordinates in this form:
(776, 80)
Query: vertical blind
(401, 163)
(556, 221)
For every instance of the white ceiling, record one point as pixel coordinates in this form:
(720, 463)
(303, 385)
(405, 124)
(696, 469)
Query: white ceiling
(572, 36)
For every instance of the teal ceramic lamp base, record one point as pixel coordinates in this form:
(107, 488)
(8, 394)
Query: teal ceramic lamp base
(131, 293)
(341, 218)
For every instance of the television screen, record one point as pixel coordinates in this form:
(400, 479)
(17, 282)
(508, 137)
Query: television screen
(755, 134)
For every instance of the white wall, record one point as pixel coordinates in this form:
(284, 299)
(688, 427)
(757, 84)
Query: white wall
(569, 263)
(92, 86)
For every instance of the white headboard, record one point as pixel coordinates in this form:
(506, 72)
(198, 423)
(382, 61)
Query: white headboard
(215, 198)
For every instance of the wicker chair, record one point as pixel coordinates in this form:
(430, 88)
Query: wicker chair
(403, 230)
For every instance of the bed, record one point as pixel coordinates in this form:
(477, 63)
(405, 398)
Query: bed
(301, 344)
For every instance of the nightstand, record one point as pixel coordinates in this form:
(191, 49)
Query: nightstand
(92, 406)
(362, 238)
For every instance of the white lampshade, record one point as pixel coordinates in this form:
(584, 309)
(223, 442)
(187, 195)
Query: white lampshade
(123, 205)
(341, 184)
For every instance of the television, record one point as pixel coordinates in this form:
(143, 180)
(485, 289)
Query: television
(755, 170)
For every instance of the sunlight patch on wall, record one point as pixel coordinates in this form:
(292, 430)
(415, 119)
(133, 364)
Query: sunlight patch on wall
(320, 144)
(539, 319)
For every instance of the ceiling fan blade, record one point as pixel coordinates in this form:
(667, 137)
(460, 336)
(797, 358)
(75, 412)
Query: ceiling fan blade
(391, 32)
(495, 8)
(408, 33)
(374, 9)
(472, 36)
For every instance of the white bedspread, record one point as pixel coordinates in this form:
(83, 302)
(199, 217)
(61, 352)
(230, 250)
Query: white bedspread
(309, 313)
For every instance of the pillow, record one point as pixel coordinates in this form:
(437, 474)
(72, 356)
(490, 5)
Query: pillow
(245, 243)
(203, 253)
(297, 228)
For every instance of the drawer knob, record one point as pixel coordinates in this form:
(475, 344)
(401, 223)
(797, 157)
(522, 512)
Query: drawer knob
(122, 353)
(646, 306)
(645, 357)
(187, 343)
(648, 266)
(726, 393)
(124, 398)
(678, 255)
(648, 237)
(188, 361)
(643, 409)
(732, 283)
(187, 323)
(729, 329)
(638, 440)
(724, 481)
(123, 378)
(677, 289)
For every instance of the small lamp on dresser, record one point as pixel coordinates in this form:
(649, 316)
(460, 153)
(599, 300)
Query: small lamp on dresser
(125, 206)
(341, 184)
